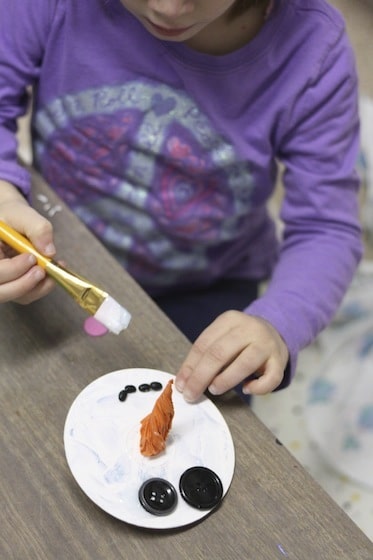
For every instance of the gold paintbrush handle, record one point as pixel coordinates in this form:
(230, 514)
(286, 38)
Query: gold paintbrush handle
(87, 295)
(20, 243)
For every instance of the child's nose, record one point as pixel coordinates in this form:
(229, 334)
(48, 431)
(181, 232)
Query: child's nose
(171, 8)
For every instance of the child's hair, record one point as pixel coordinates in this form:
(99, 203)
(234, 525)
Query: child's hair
(241, 6)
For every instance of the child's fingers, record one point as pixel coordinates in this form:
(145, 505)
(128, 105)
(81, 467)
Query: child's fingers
(204, 361)
(231, 349)
(13, 268)
(249, 361)
(31, 224)
(41, 236)
(41, 289)
(21, 279)
(265, 382)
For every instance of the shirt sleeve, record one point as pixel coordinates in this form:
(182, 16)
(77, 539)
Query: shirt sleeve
(321, 245)
(23, 34)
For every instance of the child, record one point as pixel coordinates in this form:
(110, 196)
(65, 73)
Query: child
(160, 123)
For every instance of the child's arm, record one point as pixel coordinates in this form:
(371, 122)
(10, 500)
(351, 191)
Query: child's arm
(317, 139)
(21, 280)
(21, 49)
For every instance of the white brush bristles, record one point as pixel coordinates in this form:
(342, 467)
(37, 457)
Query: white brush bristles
(112, 315)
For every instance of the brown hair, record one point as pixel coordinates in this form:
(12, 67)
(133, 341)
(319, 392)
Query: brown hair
(241, 6)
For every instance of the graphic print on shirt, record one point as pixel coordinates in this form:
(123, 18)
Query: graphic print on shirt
(148, 173)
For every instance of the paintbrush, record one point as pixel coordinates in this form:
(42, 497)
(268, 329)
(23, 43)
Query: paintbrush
(91, 298)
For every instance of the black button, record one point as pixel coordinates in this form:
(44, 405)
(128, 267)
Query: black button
(158, 496)
(201, 487)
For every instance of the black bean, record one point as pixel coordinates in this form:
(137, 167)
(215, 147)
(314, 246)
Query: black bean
(144, 387)
(122, 395)
(156, 386)
(130, 389)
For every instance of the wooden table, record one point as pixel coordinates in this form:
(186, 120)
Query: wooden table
(273, 510)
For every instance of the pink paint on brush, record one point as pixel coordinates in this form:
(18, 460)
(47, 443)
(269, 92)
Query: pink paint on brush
(94, 327)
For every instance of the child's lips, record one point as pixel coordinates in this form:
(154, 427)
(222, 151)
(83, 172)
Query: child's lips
(168, 32)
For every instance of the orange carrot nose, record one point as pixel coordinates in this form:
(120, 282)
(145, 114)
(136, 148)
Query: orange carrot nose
(155, 426)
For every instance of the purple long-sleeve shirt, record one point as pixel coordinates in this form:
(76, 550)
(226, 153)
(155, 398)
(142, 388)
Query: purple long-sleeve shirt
(169, 155)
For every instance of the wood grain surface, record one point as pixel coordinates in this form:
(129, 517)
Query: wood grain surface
(273, 510)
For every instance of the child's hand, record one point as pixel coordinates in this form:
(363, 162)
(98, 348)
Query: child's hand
(231, 349)
(21, 280)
